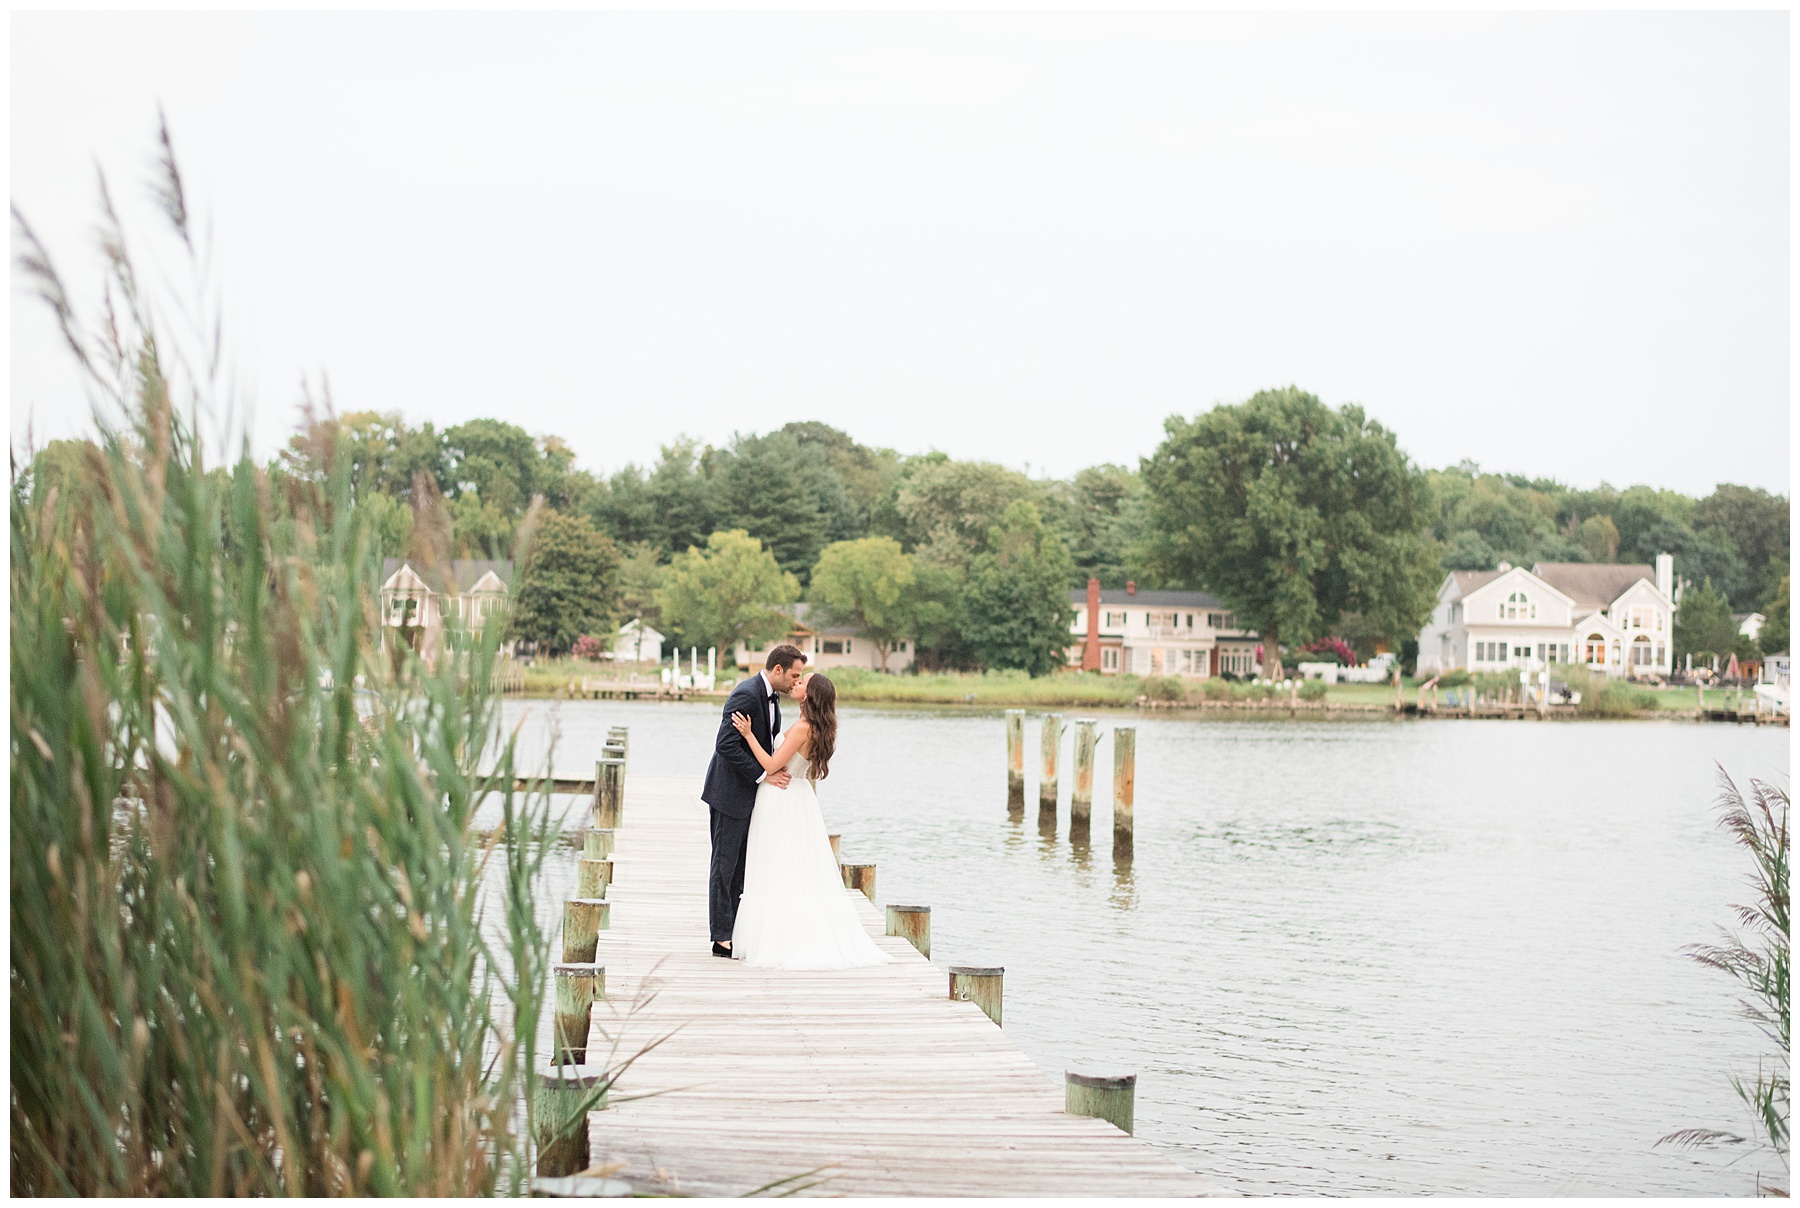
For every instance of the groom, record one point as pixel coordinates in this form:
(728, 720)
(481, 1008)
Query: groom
(731, 781)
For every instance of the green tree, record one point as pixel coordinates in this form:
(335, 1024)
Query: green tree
(1016, 611)
(732, 591)
(1108, 525)
(640, 574)
(950, 506)
(868, 583)
(1707, 554)
(1599, 536)
(934, 602)
(1294, 514)
(786, 497)
(1703, 623)
(568, 586)
(1774, 637)
(1755, 520)
(495, 459)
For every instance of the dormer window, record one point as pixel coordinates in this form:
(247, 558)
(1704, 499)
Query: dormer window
(1518, 608)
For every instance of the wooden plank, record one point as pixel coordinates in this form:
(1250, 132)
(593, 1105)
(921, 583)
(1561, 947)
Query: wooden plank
(873, 1074)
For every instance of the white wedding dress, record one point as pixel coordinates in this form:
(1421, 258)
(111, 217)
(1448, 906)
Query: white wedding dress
(795, 912)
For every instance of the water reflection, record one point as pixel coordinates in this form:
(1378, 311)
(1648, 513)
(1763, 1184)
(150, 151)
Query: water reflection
(1124, 893)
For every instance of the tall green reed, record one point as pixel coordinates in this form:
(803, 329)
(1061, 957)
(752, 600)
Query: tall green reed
(247, 945)
(1758, 958)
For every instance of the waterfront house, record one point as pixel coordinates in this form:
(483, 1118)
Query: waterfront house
(637, 642)
(1612, 619)
(417, 601)
(1749, 624)
(1182, 633)
(825, 645)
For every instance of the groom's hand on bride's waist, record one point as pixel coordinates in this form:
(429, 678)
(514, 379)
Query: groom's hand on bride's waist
(780, 779)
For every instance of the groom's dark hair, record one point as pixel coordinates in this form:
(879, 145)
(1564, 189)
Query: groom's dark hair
(784, 656)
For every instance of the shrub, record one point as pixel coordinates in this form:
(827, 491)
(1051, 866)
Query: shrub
(1216, 689)
(1163, 687)
(1314, 690)
(1457, 678)
(588, 647)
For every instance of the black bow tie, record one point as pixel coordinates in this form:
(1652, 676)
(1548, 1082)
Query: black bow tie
(772, 698)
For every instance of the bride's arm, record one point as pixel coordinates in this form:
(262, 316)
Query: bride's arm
(790, 742)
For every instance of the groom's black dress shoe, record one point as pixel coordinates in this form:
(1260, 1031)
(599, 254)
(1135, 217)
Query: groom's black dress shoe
(720, 949)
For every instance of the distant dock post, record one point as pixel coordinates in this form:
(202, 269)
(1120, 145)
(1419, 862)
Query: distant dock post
(1081, 796)
(609, 791)
(912, 924)
(1015, 760)
(597, 844)
(592, 877)
(577, 986)
(1110, 1098)
(860, 876)
(982, 985)
(1048, 786)
(565, 1095)
(1124, 785)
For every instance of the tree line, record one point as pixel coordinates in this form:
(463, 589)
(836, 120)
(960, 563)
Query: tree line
(1309, 522)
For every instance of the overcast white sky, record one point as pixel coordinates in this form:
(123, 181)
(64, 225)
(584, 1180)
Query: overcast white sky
(1554, 243)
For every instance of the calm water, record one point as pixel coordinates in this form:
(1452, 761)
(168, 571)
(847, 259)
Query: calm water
(1346, 958)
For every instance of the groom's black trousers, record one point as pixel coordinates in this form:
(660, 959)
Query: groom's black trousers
(729, 846)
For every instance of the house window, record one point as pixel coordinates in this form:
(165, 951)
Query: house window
(1216, 620)
(1659, 623)
(1661, 660)
(1594, 650)
(833, 647)
(1518, 608)
(1115, 620)
(1521, 652)
(901, 647)
(1640, 618)
(1640, 652)
(1109, 659)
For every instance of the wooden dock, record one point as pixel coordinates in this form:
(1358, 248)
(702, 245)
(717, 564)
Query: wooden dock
(872, 1079)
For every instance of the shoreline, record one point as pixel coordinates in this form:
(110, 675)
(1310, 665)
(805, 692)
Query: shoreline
(1326, 710)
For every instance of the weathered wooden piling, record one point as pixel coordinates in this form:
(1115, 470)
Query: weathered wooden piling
(912, 924)
(860, 876)
(980, 985)
(583, 921)
(837, 851)
(1111, 1098)
(597, 844)
(1051, 747)
(609, 792)
(1124, 782)
(577, 987)
(1015, 759)
(1081, 797)
(565, 1095)
(592, 877)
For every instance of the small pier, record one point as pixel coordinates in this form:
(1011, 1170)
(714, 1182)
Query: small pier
(868, 1082)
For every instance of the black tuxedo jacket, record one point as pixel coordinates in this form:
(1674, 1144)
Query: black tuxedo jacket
(731, 777)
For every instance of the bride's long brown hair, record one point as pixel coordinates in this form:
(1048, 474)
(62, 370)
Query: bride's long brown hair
(819, 712)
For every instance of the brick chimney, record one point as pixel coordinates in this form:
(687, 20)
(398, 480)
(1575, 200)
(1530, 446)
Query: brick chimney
(1090, 653)
(1131, 587)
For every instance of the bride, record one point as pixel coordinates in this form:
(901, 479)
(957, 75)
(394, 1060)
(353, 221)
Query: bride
(795, 913)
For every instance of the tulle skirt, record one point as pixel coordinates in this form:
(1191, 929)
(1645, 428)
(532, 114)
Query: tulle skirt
(795, 912)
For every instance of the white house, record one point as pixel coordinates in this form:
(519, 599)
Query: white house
(1749, 624)
(637, 642)
(1182, 633)
(423, 598)
(1618, 620)
(826, 645)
